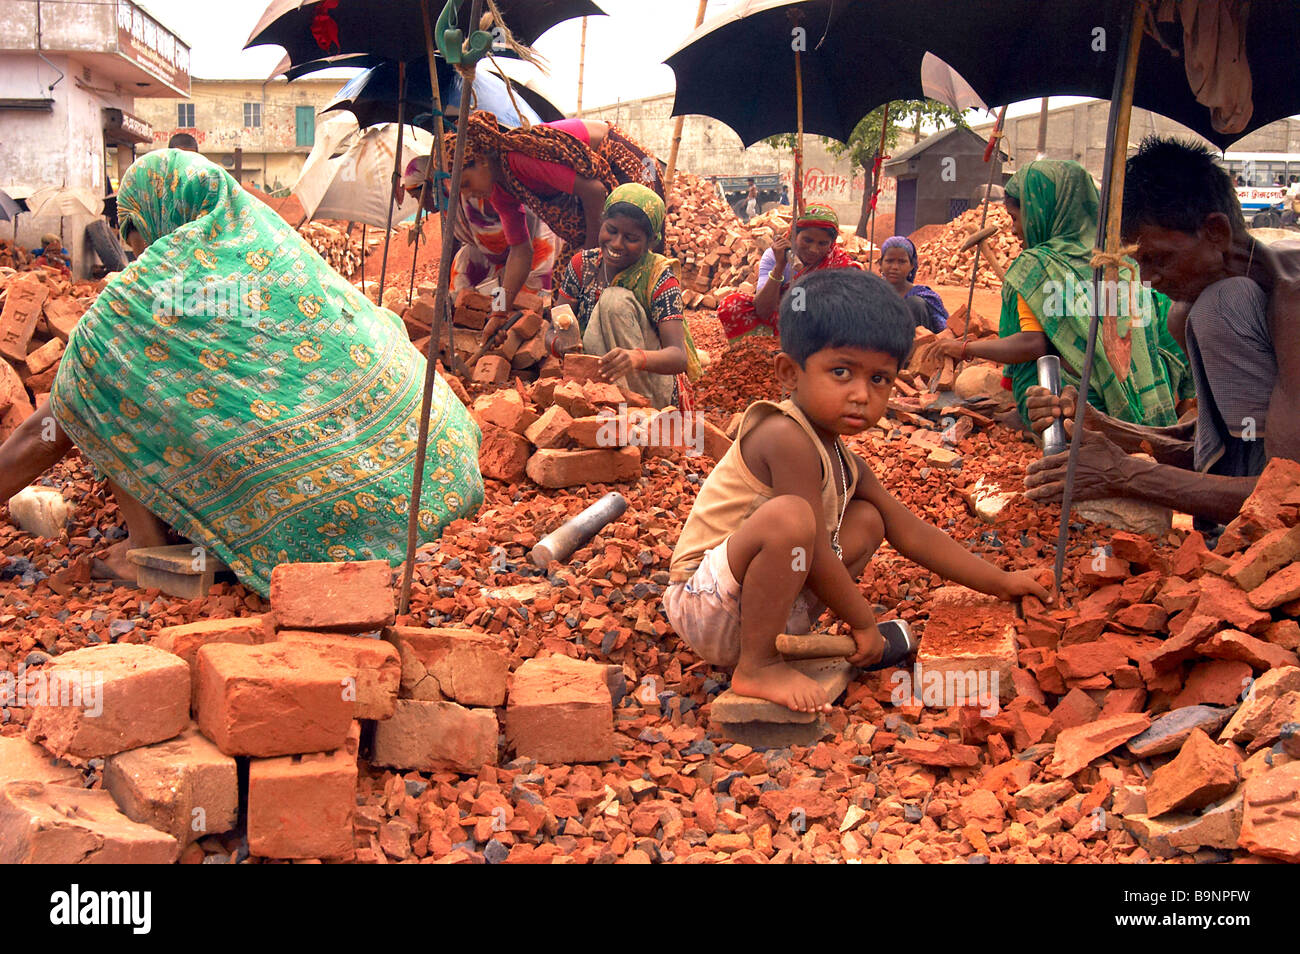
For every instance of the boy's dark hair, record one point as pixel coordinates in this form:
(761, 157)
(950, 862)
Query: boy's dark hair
(844, 308)
(1176, 184)
(183, 141)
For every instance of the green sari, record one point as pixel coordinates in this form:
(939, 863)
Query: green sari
(1058, 208)
(246, 394)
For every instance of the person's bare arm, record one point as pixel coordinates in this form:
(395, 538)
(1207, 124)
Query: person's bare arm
(779, 453)
(27, 453)
(669, 359)
(519, 263)
(927, 545)
(592, 194)
(768, 298)
(1014, 349)
(1173, 445)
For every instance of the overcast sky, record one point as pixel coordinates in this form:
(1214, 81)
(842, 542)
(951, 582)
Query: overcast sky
(625, 50)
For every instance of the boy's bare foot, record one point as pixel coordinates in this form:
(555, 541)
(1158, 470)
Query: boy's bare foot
(780, 683)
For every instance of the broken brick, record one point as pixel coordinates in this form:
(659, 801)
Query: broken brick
(61, 825)
(456, 664)
(560, 710)
(434, 736)
(560, 468)
(503, 455)
(340, 597)
(1201, 773)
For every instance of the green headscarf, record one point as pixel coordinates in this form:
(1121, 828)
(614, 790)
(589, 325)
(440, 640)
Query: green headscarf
(1058, 209)
(644, 199)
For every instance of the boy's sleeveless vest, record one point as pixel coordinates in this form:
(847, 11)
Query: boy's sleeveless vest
(731, 492)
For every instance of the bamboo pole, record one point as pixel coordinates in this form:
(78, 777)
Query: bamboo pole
(877, 172)
(994, 152)
(582, 62)
(680, 122)
(1042, 128)
(1112, 199)
(440, 303)
(397, 175)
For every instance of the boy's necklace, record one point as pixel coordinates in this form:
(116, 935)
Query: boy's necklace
(844, 481)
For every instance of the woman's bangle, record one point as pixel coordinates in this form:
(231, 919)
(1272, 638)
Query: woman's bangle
(964, 345)
(638, 359)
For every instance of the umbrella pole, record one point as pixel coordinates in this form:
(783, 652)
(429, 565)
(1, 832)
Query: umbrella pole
(876, 173)
(440, 303)
(995, 137)
(363, 258)
(397, 175)
(1112, 200)
(798, 141)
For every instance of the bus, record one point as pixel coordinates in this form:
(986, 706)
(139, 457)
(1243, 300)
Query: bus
(1262, 178)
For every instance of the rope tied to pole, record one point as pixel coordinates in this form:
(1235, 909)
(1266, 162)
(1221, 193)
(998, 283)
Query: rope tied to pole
(1118, 261)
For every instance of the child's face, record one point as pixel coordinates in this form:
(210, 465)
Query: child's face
(622, 242)
(476, 178)
(841, 390)
(895, 265)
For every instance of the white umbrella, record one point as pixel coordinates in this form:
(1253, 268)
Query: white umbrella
(357, 186)
(63, 201)
(940, 81)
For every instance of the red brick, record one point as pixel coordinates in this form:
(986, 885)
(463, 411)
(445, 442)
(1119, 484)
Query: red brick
(503, 455)
(1272, 551)
(1219, 682)
(1265, 508)
(62, 315)
(529, 323)
(530, 353)
(23, 761)
(44, 357)
(571, 396)
(1225, 602)
(185, 786)
(1077, 746)
(560, 710)
(1282, 587)
(1133, 547)
(301, 806)
(505, 408)
(1256, 706)
(11, 387)
(982, 809)
(22, 310)
(373, 663)
(1200, 774)
(1082, 660)
(599, 432)
(1283, 712)
(1144, 617)
(1186, 561)
(61, 825)
(1284, 633)
(599, 393)
(559, 468)
(1231, 644)
(551, 429)
(186, 640)
(1177, 595)
(144, 693)
(456, 664)
(276, 699)
(341, 597)
(1270, 824)
(491, 369)
(435, 736)
(1075, 708)
(582, 367)
(526, 300)
(934, 752)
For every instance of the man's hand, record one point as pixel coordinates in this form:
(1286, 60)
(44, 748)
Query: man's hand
(867, 640)
(1101, 472)
(1019, 583)
(951, 348)
(1044, 408)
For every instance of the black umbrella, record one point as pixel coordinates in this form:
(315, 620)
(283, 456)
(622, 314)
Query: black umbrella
(311, 29)
(372, 96)
(291, 71)
(739, 67)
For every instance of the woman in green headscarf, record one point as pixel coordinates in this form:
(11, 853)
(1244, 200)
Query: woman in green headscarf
(235, 389)
(629, 303)
(1046, 303)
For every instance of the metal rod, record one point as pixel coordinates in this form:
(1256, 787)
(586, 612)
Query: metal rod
(397, 175)
(440, 302)
(1112, 196)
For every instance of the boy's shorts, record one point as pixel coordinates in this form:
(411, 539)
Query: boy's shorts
(705, 610)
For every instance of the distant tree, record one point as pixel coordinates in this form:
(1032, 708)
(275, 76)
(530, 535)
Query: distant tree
(865, 138)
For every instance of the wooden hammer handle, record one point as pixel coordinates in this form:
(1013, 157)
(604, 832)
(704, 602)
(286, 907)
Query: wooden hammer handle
(814, 645)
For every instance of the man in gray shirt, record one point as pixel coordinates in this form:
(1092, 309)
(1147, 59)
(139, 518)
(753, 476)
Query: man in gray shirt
(1238, 318)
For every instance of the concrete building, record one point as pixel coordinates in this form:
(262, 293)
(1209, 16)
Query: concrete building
(710, 148)
(69, 77)
(272, 123)
(938, 178)
(1078, 132)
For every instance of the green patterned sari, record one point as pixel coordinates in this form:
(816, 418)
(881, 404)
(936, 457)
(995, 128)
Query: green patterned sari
(245, 393)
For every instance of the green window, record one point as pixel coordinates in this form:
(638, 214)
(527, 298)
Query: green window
(305, 123)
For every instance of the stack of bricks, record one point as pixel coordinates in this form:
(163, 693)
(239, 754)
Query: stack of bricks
(576, 430)
(37, 314)
(288, 696)
(522, 352)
